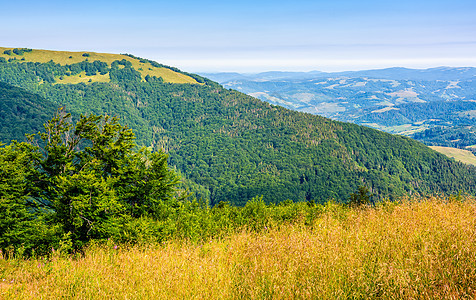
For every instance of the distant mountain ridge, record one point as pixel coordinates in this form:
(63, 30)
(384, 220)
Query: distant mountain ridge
(234, 147)
(397, 73)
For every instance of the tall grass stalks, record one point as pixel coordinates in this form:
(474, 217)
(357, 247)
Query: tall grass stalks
(409, 250)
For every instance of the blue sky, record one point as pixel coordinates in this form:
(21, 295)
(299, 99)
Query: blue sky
(252, 36)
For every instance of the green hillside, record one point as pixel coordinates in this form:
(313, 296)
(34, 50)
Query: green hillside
(22, 112)
(237, 146)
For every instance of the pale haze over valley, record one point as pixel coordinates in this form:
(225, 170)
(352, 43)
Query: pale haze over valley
(254, 36)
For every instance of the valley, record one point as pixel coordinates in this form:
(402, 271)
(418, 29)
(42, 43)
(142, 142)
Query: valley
(409, 102)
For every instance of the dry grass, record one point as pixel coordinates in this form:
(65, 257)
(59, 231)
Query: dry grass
(64, 58)
(461, 155)
(420, 250)
(82, 78)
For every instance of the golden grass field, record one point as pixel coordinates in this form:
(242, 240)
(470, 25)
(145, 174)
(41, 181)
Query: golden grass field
(411, 250)
(64, 57)
(461, 155)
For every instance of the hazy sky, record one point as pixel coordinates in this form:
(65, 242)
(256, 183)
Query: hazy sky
(250, 36)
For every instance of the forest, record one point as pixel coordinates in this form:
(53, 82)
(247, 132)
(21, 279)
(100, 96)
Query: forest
(395, 100)
(232, 147)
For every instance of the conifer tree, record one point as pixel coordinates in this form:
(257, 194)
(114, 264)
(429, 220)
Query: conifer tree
(83, 178)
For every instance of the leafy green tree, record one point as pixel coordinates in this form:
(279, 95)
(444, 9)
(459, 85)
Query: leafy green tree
(15, 219)
(91, 178)
(361, 197)
(21, 229)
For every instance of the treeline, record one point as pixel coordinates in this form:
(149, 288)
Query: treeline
(17, 51)
(198, 78)
(455, 136)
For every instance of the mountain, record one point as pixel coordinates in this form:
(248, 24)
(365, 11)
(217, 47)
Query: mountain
(396, 73)
(396, 100)
(84, 68)
(432, 74)
(233, 145)
(231, 76)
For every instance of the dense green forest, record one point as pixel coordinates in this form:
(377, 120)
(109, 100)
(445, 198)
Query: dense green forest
(22, 112)
(237, 147)
(395, 100)
(74, 183)
(463, 137)
(458, 113)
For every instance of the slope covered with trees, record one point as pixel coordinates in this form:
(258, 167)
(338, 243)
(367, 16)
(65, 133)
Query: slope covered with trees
(22, 112)
(395, 100)
(239, 147)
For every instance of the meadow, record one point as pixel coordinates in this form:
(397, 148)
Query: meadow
(67, 58)
(461, 155)
(419, 249)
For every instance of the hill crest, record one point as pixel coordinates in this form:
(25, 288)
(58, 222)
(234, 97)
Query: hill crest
(143, 66)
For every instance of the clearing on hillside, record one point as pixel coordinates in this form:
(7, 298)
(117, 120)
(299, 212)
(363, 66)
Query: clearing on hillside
(464, 156)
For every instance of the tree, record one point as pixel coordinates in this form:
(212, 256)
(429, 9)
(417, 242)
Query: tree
(362, 197)
(90, 178)
(17, 224)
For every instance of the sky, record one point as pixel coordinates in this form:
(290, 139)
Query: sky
(253, 36)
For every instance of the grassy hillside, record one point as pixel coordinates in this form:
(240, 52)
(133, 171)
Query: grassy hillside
(238, 147)
(461, 155)
(417, 250)
(68, 58)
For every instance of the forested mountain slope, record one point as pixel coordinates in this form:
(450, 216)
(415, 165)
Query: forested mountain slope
(22, 112)
(410, 102)
(239, 147)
